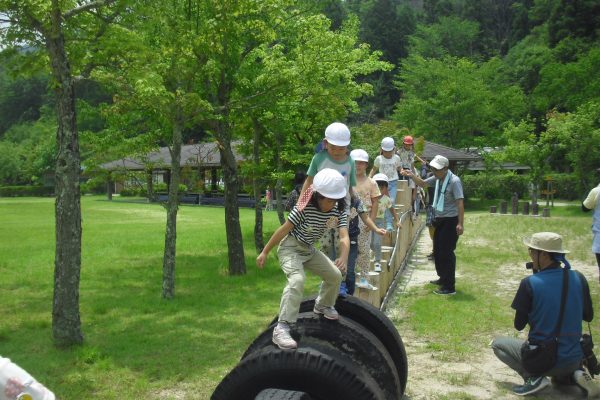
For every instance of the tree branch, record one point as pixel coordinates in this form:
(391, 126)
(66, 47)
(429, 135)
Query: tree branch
(86, 7)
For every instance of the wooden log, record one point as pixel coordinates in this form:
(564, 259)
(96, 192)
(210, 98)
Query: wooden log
(546, 212)
(503, 207)
(493, 209)
(526, 208)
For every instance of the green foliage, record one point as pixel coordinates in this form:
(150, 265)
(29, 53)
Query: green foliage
(495, 185)
(450, 36)
(23, 191)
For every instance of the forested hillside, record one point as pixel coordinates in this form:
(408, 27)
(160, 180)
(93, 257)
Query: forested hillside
(521, 74)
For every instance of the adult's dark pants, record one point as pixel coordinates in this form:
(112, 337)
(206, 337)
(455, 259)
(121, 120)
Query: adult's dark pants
(444, 244)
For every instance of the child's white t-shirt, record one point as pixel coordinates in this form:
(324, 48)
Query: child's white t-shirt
(388, 166)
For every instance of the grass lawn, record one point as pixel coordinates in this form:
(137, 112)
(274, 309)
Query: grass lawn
(138, 346)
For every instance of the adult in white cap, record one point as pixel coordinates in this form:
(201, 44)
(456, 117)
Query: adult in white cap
(539, 303)
(448, 205)
(321, 206)
(592, 202)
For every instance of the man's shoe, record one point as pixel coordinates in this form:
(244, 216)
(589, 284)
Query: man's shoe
(445, 292)
(436, 282)
(282, 337)
(531, 385)
(586, 382)
(327, 312)
(377, 267)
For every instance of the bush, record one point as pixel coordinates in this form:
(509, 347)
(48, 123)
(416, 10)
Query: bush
(22, 191)
(494, 185)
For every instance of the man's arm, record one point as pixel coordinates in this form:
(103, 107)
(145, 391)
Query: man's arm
(588, 309)
(460, 204)
(417, 179)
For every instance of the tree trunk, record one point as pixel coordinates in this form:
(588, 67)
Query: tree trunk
(109, 186)
(257, 183)
(172, 207)
(279, 164)
(235, 243)
(149, 185)
(66, 321)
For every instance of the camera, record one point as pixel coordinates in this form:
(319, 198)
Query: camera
(589, 360)
(529, 265)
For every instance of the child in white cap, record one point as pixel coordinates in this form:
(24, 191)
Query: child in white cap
(388, 163)
(321, 206)
(334, 155)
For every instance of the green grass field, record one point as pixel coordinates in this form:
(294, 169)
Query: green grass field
(138, 346)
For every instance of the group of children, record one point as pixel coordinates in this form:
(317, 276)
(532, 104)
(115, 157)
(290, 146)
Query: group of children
(346, 210)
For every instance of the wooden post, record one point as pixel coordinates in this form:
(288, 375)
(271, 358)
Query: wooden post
(493, 209)
(515, 204)
(526, 208)
(546, 212)
(503, 207)
(534, 209)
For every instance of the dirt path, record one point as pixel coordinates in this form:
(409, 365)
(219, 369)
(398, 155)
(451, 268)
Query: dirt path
(485, 378)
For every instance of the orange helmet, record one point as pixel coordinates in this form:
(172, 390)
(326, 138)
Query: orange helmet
(408, 140)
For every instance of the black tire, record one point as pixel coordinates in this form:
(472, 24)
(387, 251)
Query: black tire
(278, 394)
(347, 338)
(304, 370)
(376, 322)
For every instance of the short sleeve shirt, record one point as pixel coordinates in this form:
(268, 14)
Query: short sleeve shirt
(322, 160)
(407, 157)
(384, 203)
(454, 191)
(310, 223)
(366, 190)
(388, 166)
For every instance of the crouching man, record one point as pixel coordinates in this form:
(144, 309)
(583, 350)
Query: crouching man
(538, 303)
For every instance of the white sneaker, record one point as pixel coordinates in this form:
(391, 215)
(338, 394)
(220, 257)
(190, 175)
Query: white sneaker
(377, 267)
(282, 337)
(364, 284)
(327, 312)
(587, 383)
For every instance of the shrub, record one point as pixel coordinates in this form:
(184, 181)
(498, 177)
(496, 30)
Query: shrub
(21, 191)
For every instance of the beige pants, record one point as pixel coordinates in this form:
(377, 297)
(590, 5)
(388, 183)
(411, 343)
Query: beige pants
(294, 258)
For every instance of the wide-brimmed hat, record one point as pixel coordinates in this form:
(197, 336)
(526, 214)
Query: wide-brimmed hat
(545, 241)
(330, 183)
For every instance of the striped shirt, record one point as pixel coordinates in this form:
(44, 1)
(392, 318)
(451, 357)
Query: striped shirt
(310, 223)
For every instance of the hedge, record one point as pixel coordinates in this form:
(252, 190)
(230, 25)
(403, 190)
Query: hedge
(490, 185)
(22, 191)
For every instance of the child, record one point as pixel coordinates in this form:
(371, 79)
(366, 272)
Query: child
(388, 163)
(368, 193)
(407, 160)
(334, 155)
(385, 203)
(321, 206)
(354, 231)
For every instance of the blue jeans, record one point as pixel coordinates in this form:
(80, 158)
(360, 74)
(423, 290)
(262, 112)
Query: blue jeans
(350, 271)
(376, 239)
(392, 188)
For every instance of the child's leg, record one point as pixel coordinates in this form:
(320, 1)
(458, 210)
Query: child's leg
(393, 188)
(351, 272)
(291, 256)
(376, 240)
(364, 247)
(321, 265)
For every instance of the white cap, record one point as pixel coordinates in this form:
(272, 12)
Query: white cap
(359, 155)
(439, 162)
(387, 144)
(380, 177)
(545, 241)
(337, 134)
(330, 183)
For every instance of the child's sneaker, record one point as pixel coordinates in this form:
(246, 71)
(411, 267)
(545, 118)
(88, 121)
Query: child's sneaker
(282, 337)
(343, 289)
(328, 312)
(585, 382)
(377, 267)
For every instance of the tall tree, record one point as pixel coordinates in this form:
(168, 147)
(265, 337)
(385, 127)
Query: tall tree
(53, 26)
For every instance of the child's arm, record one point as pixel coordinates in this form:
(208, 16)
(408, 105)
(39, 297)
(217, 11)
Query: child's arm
(374, 207)
(307, 182)
(342, 261)
(279, 234)
(369, 222)
(395, 215)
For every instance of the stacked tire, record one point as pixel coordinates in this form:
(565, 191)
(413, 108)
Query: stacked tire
(359, 357)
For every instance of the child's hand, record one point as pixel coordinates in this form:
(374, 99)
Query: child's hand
(381, 231)
(341, 264)
(260, 260)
